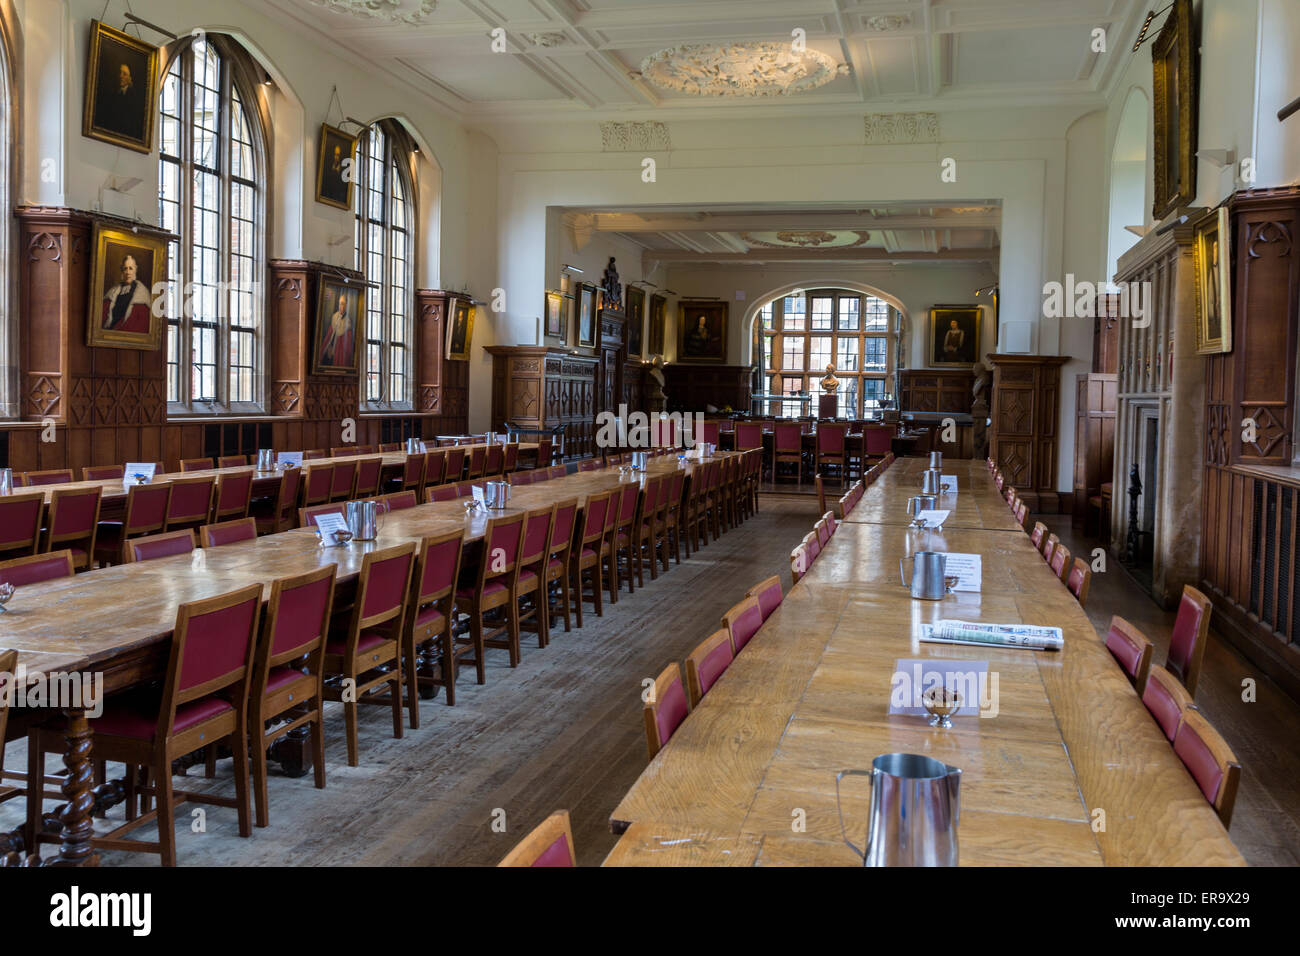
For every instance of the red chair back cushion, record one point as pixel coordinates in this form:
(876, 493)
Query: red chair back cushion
(46, 568)
(455, 464)
(787, 438)
(876, 440)
(1163, 707)
(713, 664)
(147, 506)
(20, 519)
(748, 435)
(1186, 626)
(343, 475)
(539, 526)
(557, 854)
(368, 472)
(830, 439)
(152, 550)
(745, 626)
(217, 643)
(495, 458)
(446, 493)
(670, 711)
(1199, 761)
(1124, 651)
(302, 610)
(769, 600)
(234, 491)
(1075, 581)
(76, 513)
(400, 501)
(190, 500)
(440, 567)
(564, 525)
(314, 513)
(386, 587)
(232, 534)
(503, 548)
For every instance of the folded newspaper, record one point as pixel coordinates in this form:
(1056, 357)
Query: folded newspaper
(1031, 636)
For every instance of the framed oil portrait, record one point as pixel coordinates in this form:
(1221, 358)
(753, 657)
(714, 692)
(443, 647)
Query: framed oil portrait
(658, 312)
(635, 321)
(121, 89)
(126, 269)
(1213, 283)
(1174, 84)
(334, 161)
(555, 314)
(586, 314)
(702, 331)
(460, 331)
(338, 317)
(954, 336)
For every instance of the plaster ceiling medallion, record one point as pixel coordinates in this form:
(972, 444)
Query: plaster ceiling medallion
(763, 68)
(889, 22)
(807, 239)
(394, 11)
(547, 40)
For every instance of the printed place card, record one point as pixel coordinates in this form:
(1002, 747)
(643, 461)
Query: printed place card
(948, 484)
(933, 519)
(477, 491)
(290, 458)
(328, 524)
(135, 468)
(968, 569)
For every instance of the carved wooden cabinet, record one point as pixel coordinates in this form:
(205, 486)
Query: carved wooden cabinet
(1023, 437)
(441, 385)
(538, 387)
(935, 390)
(1094, 438)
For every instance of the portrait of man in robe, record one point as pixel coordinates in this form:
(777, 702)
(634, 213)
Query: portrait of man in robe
(336, 327)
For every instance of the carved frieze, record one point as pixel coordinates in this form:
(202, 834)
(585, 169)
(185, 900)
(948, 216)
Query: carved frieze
(888, 129)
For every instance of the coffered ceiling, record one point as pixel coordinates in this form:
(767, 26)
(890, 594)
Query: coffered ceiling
(893, 234)
(615, 58)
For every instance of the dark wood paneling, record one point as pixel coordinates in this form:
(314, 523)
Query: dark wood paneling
(936, 390)
(1094, 438)
(1023, 437)
(691, 388)
(539, 387)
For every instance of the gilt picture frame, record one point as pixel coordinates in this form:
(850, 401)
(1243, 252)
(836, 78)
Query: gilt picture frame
(335, 346)
(702, 331)
(1174, 88)
(127, 280)
(953, 336)
(635, 309)
(334, 173)
(121, 92)
(1213, 261)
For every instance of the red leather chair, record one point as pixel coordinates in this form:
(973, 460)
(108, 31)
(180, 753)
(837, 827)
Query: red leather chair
(511, 457)
(492, 585)
(190, 504)
(710, 432)
(435, 469)
(557, 568)
(196, 464)
(608, 549)
(706, 664)
(232, 496)
(432, 611)
(665, 710)
(531, 581)
(477, 462)
(549, 844)
(768, 594)
(518, 478)
(342, 488)
(288, 669)
(275, 512)
(585, 555)
(742, 623)
(455, 465)
(20, 524)
(355, 654)
(1132, 649)
(203, 701)
(156, 546)
(398, 501)
(496, 459)
(1038, 536)
(307, 516)
(556, 471)
(877, 441)
(1079, 581)
(73, 523)
(1191, 634)
(232, 461)
(749, 435)
(1210, 761)
(103, 473)
(57, 476)
(317, 485)
(227, 532)
(368, 470)
(625, 537)
(787, 449)
(589, 464)
(1060, 563)
(441, 493)
(35, 568)
(830, 449)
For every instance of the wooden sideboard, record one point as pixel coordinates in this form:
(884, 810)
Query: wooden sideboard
(1025, 430)
(534, 386)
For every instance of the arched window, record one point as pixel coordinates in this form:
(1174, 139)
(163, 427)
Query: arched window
(211, 175)
(382, 204)
(803, 332)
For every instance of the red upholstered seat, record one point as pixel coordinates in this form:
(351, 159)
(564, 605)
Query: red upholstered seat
(136, 715)
(1131, 648)
(35, 568)
(1165, 698)
(768, 595)
(492, 587)
(339, 645)
(671, 710)
(1198, 759)
(281, 677)
(1187, 643)
(742, 623)
(429, 616)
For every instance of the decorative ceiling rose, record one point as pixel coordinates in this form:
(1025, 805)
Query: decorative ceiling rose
(764, 68)
(395, 11)
(885, 24)
(547, 40)
(807, 239)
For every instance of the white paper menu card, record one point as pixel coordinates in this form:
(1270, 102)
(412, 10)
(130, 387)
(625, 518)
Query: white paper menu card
(968, 569)
(328, 524)
(134, 468)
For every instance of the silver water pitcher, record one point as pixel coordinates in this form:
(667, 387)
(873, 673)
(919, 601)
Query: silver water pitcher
(915, 808)
(919, 503)
(932, 481)
(640, 459)
(936, 460)
(6, 481)
(265, 459)
(496, 494)
(362, 518)
(412, 446)
(927, 582)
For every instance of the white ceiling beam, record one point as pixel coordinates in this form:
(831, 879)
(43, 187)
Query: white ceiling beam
(823, 255)
(633, 222)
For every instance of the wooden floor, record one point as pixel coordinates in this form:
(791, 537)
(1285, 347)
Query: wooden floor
(564, 730)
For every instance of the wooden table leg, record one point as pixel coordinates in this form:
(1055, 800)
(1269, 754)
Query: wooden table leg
(76, 849)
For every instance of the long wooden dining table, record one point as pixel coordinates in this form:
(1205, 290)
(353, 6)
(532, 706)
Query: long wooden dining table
(1064, 766)
(117, 621)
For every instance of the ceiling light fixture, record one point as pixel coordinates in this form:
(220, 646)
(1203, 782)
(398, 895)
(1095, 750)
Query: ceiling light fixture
(568, 268)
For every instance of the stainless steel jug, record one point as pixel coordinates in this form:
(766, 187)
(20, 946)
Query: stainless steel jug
(927, 575)
(265, 459)
(6, 481)
(915, 808)
(640, 459)
(412, 446)
(362, 518)
(932, 481)
(919, 503)
(496, 494)
(936, 460)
